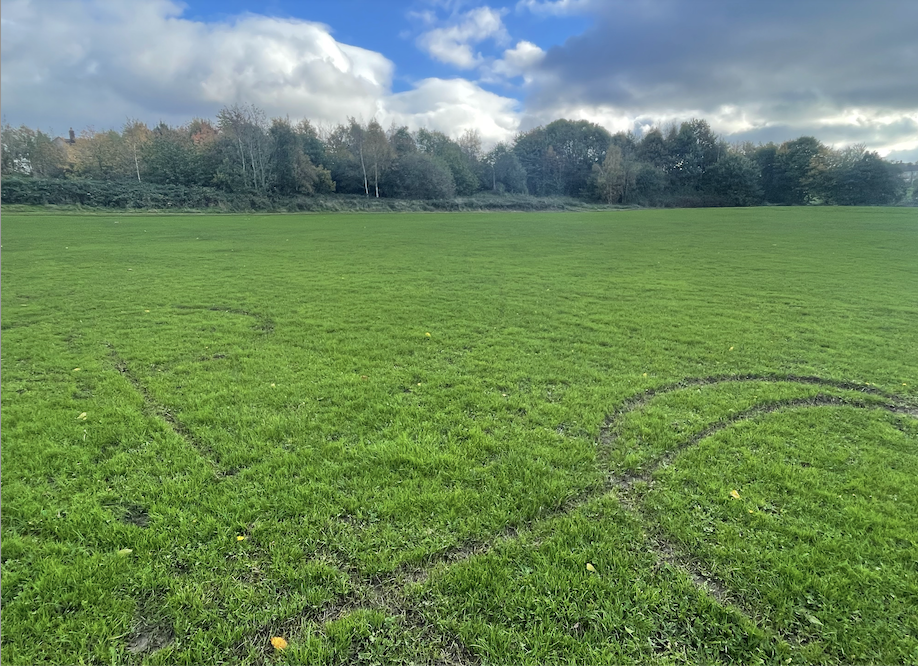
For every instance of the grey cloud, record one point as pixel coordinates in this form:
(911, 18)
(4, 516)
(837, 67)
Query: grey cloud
(782, 61)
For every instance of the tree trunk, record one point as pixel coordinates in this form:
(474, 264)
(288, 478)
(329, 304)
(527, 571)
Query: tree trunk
(136, 163)
(366, 182)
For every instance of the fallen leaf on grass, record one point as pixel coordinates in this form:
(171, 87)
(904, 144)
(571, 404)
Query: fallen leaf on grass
(82, 416)
(427, 334)
(591, 568)
(278, 643)
(734, 494)
(240, 538)
(76, 369)
(124, 552)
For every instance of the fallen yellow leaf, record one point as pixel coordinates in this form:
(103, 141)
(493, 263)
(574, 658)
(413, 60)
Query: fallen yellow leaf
(734, 494)
(427, 334)
(278, 643)
(82, 417)
(590, 567)
(240, 538)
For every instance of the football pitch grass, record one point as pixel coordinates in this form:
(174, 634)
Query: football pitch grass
(607, 437)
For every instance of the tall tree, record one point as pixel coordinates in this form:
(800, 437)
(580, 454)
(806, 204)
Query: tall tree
(401, 141)
(101, 155)
(615, 177)
(794, 177)
(169, 157)
(449, 152)
(692, 151)
(356, 142)
(245, 127)
(559, 157)
(136, 135)
(379, 153)
(734, 179)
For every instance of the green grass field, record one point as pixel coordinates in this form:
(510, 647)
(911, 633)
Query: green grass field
(644, 436)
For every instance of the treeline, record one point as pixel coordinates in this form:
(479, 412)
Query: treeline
(243, 157)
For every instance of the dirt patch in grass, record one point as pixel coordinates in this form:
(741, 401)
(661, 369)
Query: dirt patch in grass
(150, 637)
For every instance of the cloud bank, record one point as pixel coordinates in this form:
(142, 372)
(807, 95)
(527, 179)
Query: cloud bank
(97, 63)
(843, 71)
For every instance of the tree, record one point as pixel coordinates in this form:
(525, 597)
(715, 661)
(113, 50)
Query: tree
(356, 143)
(244, 127)
(734, 178)
(135, 135)
(793, 180)
(450, 153)
(613, 179)
(765, 158)
(420, 176)
(691, 151)
(401, 141)
(510, 174)
(379, 152)
(101, 155)
(293, 172)
(170, 158)
(864, 180)
(652, 149)
(470, 144)
(559, 157)
(649, 184)
(312, 144)
(31, 152)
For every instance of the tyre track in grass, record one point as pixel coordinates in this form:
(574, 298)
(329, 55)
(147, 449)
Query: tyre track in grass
(391, 593)
(155, 408)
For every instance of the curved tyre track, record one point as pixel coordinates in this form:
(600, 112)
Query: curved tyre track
(392, 594)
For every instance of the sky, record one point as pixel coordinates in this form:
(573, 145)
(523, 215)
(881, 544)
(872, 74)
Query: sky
(843, 71)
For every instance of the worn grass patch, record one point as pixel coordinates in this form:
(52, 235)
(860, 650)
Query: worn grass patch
(403, 438)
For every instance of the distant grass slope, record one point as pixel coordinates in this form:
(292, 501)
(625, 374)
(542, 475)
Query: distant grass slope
(404, 438)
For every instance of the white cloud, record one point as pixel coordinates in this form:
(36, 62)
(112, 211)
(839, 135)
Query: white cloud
(452, 106)
(104, 61)
(452, 44)
(518, 61)
(96, 63)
